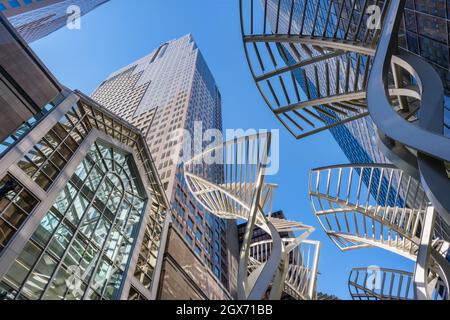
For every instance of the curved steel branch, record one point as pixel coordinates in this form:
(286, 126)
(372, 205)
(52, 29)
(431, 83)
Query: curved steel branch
(427, 139)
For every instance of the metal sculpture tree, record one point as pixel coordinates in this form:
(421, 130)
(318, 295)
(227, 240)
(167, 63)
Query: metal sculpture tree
(398, 219)
(229, 181)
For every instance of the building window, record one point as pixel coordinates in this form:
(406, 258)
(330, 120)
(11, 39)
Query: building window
(198, 250)
(216, 271)
(216, 245)
(198, 234)
(209, 232)
(82, 246)
(14, 3)
(16, 204)
(190, 224)
(179, 209)
(27, 126)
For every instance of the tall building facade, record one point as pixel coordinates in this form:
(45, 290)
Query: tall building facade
(259, 234)
(184, 276)
(35, 19)
(427, 25)
(13, 7)
(172, 88)
(21, 71)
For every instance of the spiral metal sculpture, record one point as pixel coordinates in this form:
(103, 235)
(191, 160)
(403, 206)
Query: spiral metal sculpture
(320, 64)
(411, 131)
(301, 260)
(375, 283)
(380, 284)
(414, 123)
(229, 181)
(309, 62)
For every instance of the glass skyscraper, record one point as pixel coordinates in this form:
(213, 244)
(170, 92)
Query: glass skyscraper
(172, 88)
(425, 31)
(35, 19)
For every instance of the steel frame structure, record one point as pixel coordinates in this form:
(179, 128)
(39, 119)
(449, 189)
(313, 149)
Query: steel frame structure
(229, 181)
(354, 219)
(291, 57)
(413, 137)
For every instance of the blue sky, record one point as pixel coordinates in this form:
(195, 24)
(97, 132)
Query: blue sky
(122, 31)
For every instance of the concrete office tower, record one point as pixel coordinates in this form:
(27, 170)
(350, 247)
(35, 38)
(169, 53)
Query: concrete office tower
(172, 88)
(35, 19)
